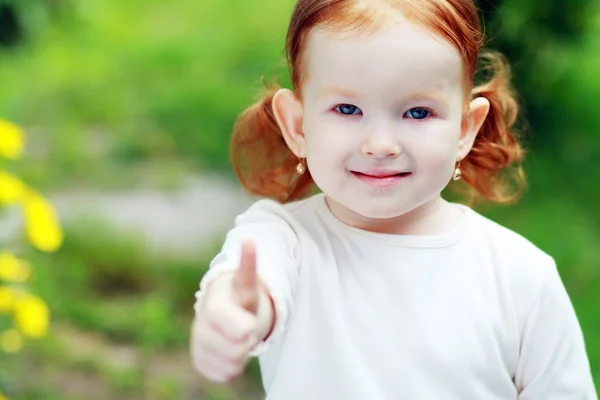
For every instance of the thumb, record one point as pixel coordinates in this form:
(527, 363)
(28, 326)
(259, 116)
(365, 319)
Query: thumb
(245, 281)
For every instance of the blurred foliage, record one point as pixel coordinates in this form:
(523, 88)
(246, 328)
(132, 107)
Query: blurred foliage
(21, 19)
(140, 80)
(23, 314)
(113, 93)
(554, 50)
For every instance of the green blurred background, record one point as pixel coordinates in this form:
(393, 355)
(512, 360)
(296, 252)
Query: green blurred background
(128, 108)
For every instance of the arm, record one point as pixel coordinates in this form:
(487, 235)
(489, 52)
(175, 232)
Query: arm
(553, 364)
(269, 226)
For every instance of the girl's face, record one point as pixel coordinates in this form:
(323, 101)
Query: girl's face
(381, 120)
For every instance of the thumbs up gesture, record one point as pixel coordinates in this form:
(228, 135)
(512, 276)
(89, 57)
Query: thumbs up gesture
(235, 315)
(245, 281)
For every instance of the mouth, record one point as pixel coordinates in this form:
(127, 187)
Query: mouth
(381, 175)
(381, 178)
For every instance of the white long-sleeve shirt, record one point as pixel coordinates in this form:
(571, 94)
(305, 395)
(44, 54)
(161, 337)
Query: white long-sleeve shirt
(475, 313)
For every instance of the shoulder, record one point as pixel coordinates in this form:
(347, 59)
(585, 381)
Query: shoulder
(270, 210)
(506, 244)
(269, 217)
(525, 266)
(276, 228)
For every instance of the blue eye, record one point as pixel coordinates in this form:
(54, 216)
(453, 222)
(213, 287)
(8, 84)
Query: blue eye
(417, 113)
(348, 109)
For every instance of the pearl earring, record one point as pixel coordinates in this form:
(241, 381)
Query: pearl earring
(457, 172)
(301, 168)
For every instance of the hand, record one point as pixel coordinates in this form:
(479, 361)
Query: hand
(227, 327)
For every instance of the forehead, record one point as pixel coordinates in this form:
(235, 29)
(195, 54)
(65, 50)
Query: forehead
(402, 55)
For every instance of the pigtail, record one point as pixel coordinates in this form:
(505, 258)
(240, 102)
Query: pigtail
(492, 169)
(261, 159)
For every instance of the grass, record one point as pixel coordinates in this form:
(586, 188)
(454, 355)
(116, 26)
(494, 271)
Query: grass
(129, 295)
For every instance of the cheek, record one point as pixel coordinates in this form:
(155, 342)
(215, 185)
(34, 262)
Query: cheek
(438, 147)
(327, 139)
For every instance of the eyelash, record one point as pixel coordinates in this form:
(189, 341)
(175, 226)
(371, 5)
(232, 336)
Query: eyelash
(335, 109)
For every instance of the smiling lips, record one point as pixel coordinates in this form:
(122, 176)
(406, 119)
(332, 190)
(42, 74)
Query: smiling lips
(381, 178)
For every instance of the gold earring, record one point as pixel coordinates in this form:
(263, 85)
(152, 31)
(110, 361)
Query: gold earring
(457, 172)
(301, 168)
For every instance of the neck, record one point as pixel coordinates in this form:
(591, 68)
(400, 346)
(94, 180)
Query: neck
(434, 217)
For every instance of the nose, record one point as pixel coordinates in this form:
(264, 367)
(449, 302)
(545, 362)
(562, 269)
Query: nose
(381, 146)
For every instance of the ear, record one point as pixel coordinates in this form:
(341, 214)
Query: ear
(478, 112)
(288, 111)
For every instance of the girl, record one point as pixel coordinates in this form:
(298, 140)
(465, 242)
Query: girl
(377, 287)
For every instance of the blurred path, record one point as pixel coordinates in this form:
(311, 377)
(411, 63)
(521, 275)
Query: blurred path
(176, 220)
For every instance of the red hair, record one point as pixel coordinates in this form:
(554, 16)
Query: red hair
(266, 167)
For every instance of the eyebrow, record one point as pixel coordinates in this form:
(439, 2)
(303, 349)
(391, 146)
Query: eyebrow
(334, 91)
(437, 96)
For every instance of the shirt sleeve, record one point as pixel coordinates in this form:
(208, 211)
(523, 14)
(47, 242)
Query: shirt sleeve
(269, 226)
(553, 363)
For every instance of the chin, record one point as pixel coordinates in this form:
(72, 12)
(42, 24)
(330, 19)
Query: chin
(378, 209)
(380, 213)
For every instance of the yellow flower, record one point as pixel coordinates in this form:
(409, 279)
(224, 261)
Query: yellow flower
(7, 300)
(11, 188)
(12, 269)
(11, 341)
(11, 140)
(43, 228)
(32, 316)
